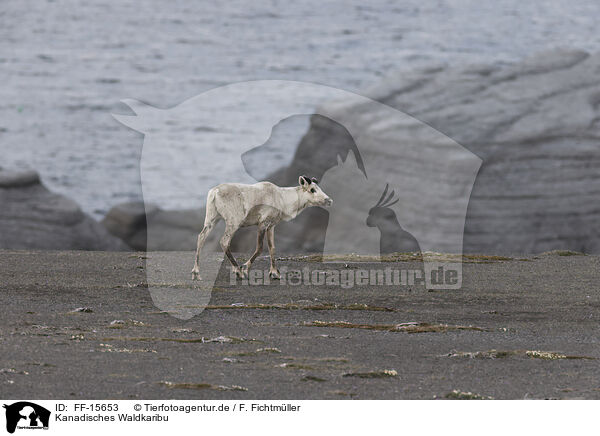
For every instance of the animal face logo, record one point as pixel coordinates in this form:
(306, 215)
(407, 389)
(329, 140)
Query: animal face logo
(431, 175)
(382, 211)
(394, 239)
(26, 415)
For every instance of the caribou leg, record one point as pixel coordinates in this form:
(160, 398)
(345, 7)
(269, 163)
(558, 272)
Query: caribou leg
(273, 271)
(225, 242)
(259, 246)
(201, 239)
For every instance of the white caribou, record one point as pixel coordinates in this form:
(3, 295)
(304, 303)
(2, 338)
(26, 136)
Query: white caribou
(261, 204)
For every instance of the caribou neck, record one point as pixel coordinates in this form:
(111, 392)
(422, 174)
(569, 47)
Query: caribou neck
(294, 205)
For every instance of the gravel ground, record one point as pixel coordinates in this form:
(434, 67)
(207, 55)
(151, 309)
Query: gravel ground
(531, 325)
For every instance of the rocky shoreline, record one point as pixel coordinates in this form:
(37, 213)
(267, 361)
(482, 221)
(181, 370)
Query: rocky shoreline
(534, 123)
(32, 217)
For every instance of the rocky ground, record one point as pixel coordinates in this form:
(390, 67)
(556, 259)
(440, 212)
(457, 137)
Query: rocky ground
(83, 325)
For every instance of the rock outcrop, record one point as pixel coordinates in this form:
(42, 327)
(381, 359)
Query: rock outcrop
(535, 124)
(171, 230)
(32, 217)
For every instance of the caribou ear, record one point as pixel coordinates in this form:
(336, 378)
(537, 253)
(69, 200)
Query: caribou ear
(314, 180)
(304, 180)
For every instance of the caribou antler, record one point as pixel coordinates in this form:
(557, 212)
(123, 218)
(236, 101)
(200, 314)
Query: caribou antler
(386, 202)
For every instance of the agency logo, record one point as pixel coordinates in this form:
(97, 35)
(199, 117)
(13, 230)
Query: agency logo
(391, 193)
(26, 415)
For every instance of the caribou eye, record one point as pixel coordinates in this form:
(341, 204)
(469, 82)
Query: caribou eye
(312, 190)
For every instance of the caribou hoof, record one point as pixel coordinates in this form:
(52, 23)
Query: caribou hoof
(244, 273)
(275, 275)
(196, 275)
(244, 269)
(240, 273)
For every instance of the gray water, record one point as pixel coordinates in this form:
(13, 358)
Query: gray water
(65, 65)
